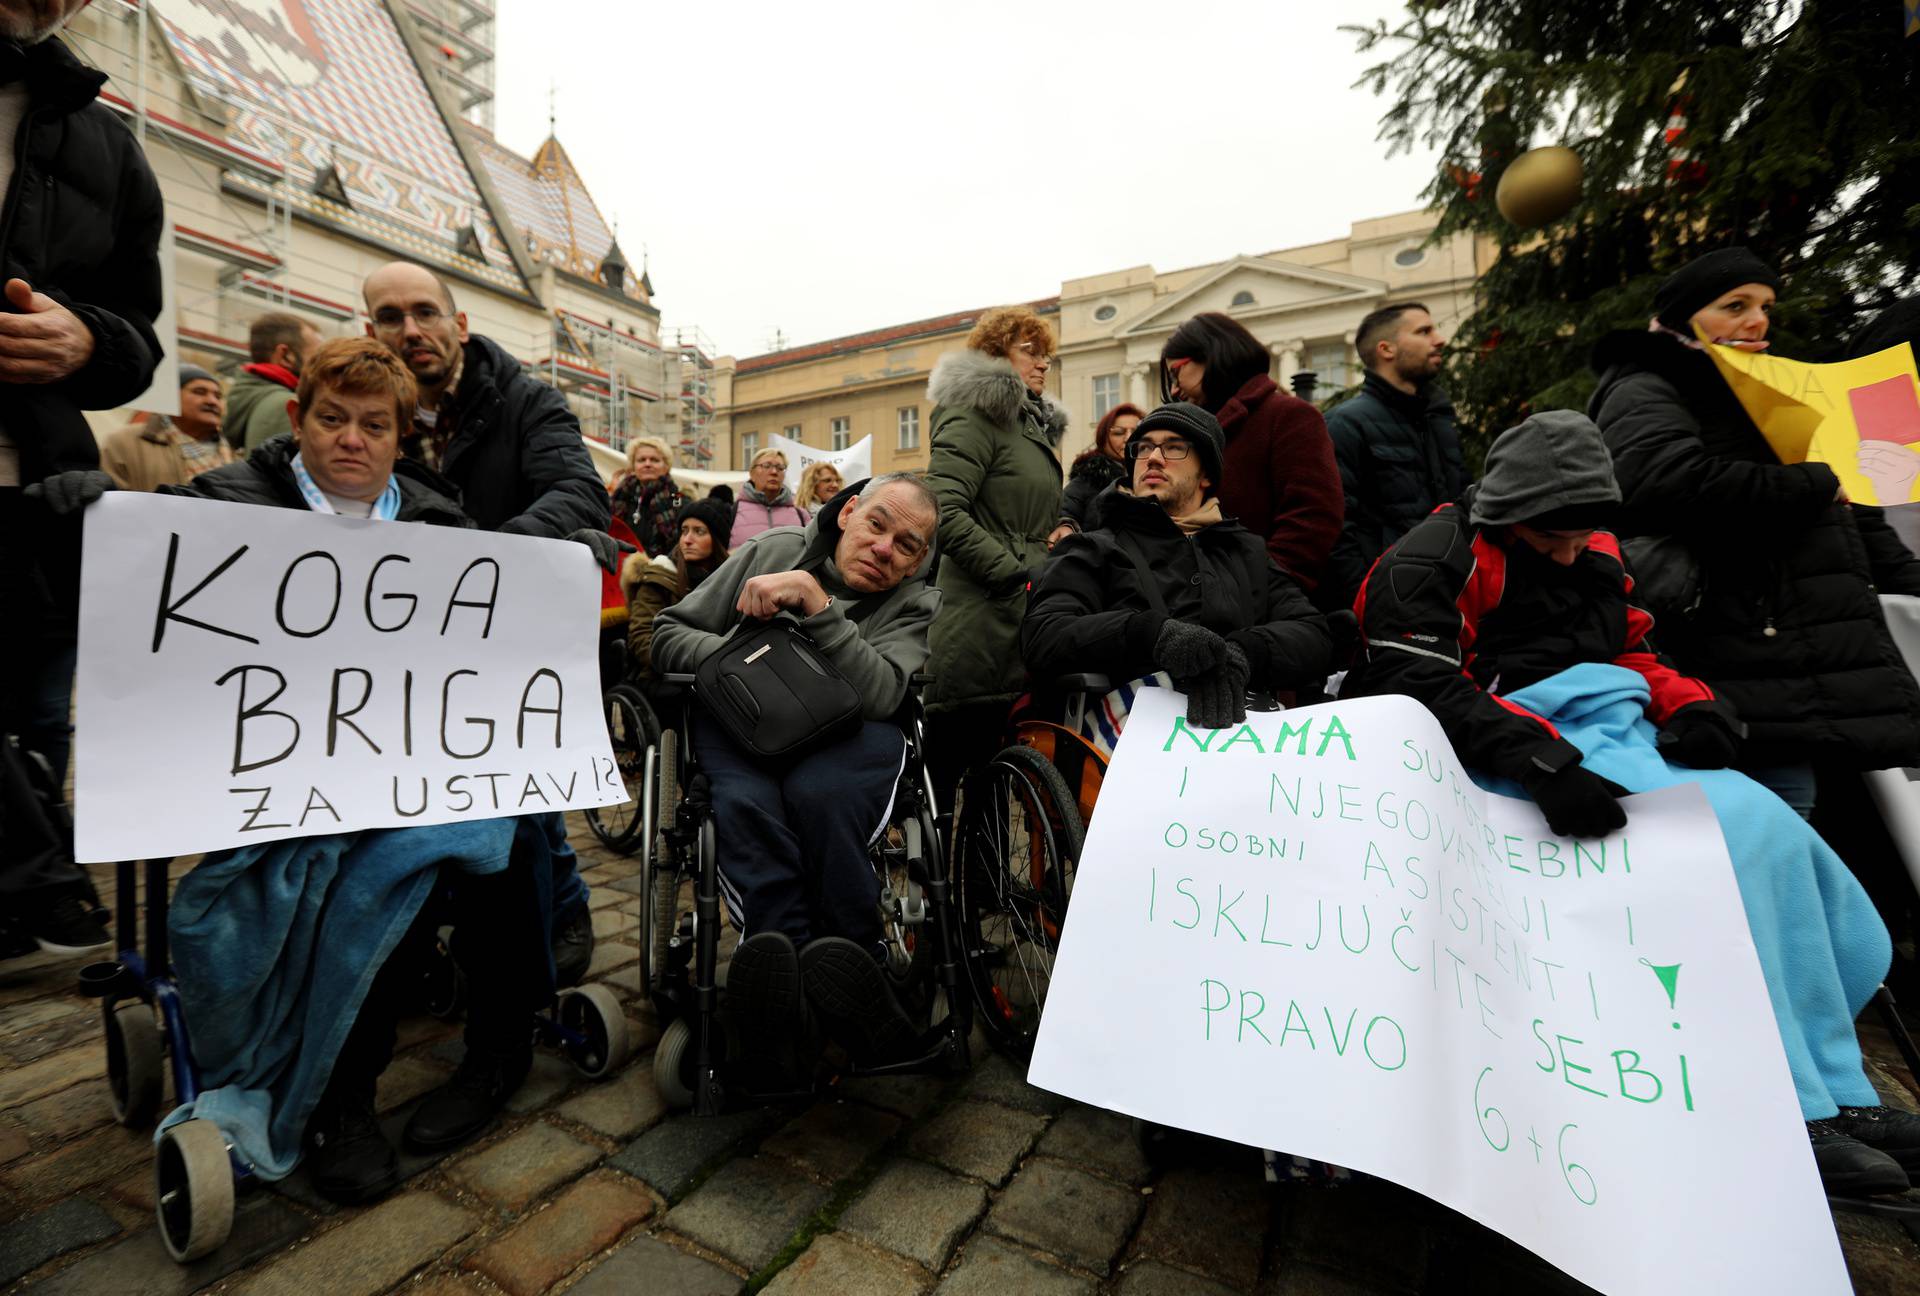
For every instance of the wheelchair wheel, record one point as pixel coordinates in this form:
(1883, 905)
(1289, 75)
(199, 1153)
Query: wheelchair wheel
(193, 1189)
(135, 1067)
(632, 730)
(592, 1012)
(673, 1065)
(660, 876)
(1018, 845)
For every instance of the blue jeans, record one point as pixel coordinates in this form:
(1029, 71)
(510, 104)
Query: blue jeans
(1793, 784)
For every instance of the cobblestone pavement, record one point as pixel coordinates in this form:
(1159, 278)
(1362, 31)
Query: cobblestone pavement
(973, 1185)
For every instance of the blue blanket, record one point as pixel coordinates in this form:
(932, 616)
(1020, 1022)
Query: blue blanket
(1823, 948)
(274, 948)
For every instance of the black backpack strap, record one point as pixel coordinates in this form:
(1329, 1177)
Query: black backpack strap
(1130, 546)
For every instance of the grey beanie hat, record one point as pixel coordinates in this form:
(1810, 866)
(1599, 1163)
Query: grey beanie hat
(194, 373)
(1555, 463)
(1196, 425)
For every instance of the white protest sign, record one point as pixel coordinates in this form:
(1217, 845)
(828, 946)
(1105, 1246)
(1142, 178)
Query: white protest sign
(1315, 934)
(854, 463)
(249, 674)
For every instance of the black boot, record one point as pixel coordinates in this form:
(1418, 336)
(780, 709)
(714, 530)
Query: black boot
(467, 1104)
(347, 1155)
(767, 1014)
(1884, 1129)
(1848, 1167)
(572, 947)
(850, 992)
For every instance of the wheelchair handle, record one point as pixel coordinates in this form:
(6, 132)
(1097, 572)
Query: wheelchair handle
(1082, 683)
(678, 680)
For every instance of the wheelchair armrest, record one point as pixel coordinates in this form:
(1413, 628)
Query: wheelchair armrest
(1082, 683)
(919, 680)
(676, 680)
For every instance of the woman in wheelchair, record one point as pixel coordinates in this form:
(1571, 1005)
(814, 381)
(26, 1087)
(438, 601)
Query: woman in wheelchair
(652, 585)
(790, 836)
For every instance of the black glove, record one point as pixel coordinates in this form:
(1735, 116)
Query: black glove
(1701, 737)
(68, 492)
(1344, 629)
(606, 549)
(1218, 698)
(1577, 802)
(1187, 651)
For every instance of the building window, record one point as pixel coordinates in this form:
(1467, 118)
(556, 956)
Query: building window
(791, 431)
(1102, 314)
(749, 446)
(1409, 257)
(909, 428)
(1106, 394)
(1332, 363)
(1242, 298)
(842, 429)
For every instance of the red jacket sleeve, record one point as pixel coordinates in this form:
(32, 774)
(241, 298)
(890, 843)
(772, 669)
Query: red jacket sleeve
(1309, 504)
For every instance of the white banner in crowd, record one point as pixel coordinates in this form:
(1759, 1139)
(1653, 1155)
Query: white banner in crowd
(854, 463)
(1314, 934)
(249, 674)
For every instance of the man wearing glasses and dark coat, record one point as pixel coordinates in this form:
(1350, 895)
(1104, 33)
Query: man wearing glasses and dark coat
(1167, 584)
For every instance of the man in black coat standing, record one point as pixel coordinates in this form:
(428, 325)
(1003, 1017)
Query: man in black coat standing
(1165, 583)
(80, 273)
(1395, 442)
(512, 446)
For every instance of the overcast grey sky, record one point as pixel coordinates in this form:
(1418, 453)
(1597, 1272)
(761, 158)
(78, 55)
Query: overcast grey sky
(822, 168)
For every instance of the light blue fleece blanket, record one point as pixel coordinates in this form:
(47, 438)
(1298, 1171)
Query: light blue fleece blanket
(274, 948)
(1823, 948)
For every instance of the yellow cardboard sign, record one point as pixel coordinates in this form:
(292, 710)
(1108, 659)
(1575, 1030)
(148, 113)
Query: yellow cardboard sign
(1859, 417)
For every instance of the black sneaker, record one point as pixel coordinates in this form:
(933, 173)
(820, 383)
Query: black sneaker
(849, 991)
(1884, 1129)
(467, 1104)
(1848, 1167)
(572, 947)
(767, 1013)
(61, 924)
(347, 1155)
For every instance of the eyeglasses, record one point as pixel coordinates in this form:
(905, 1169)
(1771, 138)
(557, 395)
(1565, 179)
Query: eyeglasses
(1034, 351)
(389, 319)
(1169, 450)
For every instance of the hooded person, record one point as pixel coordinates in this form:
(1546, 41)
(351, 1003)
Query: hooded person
(793, 833)
(1511, 616)
(652, 585)
(1775, 575)
(1164, 588)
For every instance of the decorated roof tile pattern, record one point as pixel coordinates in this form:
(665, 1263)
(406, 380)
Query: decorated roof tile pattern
(546, 199)
(332, 81)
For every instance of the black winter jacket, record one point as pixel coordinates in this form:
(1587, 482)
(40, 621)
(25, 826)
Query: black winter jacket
(516, 453)
(1456, 615)
(1092, 472)
(1788, 624)
(1399, 458)
(1090, 612)
(266, 477)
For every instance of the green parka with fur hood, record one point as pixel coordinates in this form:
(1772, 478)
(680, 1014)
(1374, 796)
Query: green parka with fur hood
(996, 468)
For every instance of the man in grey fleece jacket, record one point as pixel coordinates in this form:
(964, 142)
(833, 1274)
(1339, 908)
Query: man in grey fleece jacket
(793, 837)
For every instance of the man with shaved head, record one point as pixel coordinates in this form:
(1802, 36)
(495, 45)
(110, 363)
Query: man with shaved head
(514, 449)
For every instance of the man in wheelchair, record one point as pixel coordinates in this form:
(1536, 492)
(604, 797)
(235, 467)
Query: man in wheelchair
(1163, 588)
(1511, 616)
(793, 834)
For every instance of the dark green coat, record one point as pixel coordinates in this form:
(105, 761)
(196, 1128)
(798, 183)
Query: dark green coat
(996, 470)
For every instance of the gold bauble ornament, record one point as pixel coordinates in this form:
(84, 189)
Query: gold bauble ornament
(1542, 185)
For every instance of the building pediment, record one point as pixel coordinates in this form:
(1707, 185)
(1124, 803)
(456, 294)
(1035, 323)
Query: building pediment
(1254, 288)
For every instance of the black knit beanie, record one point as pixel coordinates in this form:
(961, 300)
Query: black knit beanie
(1197, 426)
(1694, 285)
(717, 515)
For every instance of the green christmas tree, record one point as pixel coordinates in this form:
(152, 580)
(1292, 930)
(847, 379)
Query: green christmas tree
(1793, 128)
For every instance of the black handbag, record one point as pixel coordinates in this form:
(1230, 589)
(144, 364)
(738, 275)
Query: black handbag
(1666, 576)
(775, 692)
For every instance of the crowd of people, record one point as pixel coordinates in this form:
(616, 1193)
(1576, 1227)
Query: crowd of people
(1232, 544)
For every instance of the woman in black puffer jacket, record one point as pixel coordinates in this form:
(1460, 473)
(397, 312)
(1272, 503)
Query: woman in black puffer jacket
(1787, 622)
(1096, 468)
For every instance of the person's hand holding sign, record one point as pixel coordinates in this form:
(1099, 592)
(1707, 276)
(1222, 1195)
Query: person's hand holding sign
(41, 341)
(1892, 468)
(795, 591)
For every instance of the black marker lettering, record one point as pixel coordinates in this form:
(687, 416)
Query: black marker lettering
(559, 697)
(336, 717)
(280, 601)
(171, 611)
(245, 712)
(412, 600)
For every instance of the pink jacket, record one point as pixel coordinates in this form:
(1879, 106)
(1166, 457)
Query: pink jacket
(751, 517)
